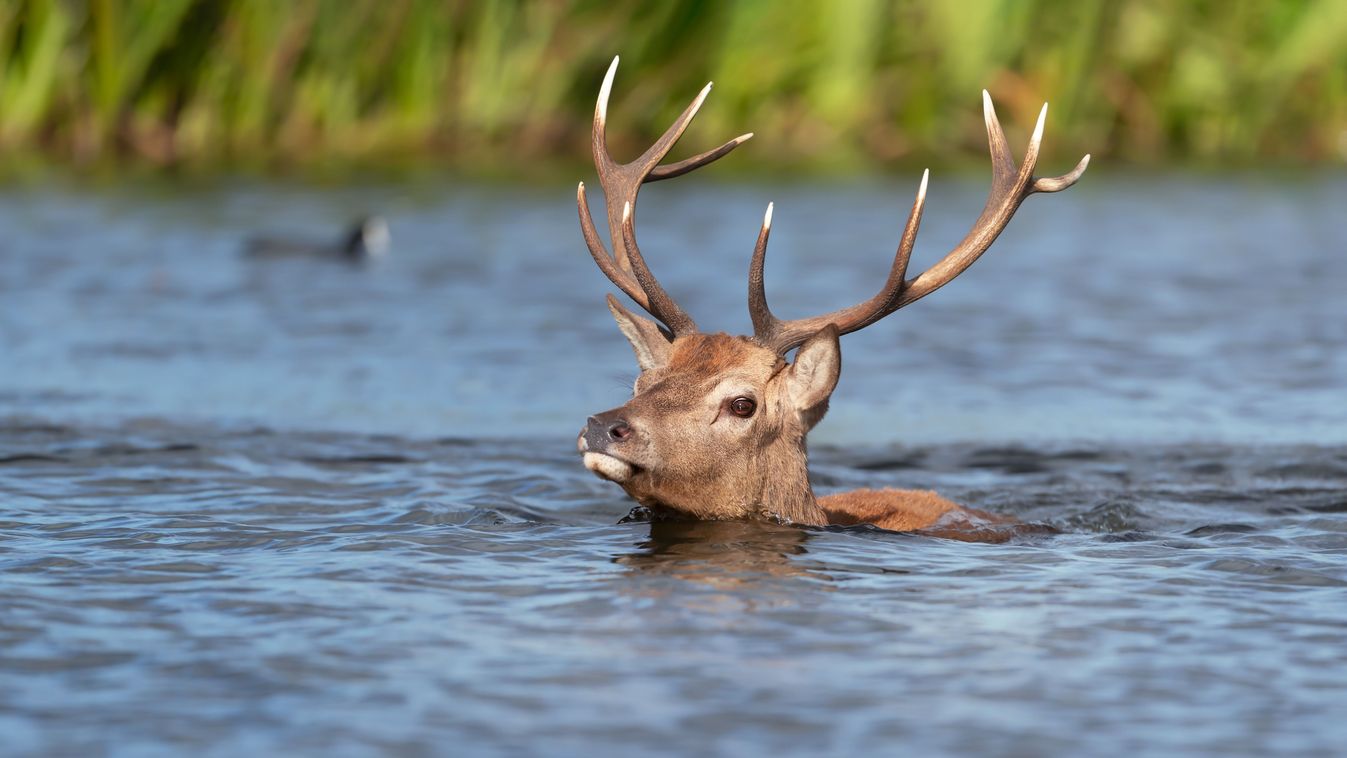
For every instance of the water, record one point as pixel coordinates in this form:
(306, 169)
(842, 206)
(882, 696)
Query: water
(307, 507)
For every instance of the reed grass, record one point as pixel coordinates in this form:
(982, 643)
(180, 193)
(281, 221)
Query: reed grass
(841, 85)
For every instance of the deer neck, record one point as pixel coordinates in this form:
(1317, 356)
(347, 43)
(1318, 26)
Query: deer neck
(785, 493)
(780, 492)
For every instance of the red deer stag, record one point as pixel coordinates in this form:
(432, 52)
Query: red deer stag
(716, 425)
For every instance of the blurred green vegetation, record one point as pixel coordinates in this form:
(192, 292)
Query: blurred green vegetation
(508, 84)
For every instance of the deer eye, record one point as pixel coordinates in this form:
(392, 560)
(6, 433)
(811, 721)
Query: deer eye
(743, 407)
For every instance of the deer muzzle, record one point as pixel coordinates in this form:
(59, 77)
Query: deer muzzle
(602, 436)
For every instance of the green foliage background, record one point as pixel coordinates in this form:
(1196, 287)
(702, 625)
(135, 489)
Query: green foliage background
(504, 84)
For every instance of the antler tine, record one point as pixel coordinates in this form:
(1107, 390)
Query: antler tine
(661, 306)
(656, 152)
(624, 280)
(1059, 183)
(764, 323)
(1003, 163)
(621, 182)
(696, 161)
(599, 133)
(784, 336)
(1009, 187)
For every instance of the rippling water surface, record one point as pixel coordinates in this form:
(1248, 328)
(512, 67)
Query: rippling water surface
(298, 505)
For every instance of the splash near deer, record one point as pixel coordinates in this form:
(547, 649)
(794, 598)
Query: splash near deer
(716, 426)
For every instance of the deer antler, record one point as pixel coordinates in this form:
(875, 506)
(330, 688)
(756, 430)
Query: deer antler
(1009, 188)
(621, 181)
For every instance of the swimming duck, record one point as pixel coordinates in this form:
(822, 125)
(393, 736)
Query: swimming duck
(366, 240)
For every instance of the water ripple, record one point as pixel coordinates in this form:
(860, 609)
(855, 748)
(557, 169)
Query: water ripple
(374, 594)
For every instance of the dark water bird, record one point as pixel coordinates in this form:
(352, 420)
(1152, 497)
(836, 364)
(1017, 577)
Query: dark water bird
(366, 240)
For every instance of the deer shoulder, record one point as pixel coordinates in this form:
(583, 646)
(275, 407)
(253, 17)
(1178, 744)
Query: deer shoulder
(906, 511)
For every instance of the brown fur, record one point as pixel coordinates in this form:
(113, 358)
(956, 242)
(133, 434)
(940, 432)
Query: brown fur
(899, 510)
(691, 458)
(915, 511)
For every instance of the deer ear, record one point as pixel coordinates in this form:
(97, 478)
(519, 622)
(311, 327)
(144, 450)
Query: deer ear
(813, 376)
(650, 342)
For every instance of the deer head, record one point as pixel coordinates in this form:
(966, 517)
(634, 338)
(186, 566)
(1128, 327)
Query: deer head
(716, 425)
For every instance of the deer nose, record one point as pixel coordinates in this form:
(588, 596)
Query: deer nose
(606, 429)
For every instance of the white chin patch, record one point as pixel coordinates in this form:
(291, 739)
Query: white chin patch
(608, 467)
